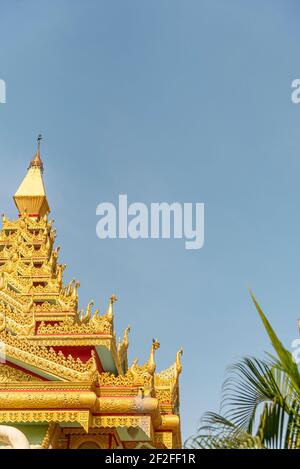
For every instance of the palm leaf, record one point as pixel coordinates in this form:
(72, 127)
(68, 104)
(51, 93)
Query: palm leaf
(286, 361)
(256, 393)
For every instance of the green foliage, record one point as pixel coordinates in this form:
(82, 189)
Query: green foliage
(260, 405)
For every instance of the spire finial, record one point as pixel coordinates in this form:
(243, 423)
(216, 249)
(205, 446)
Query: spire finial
(39, 139)
(36, 162)
(113, 299)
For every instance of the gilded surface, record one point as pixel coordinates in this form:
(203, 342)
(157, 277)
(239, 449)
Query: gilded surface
(143, 422)
(26, 416)
(10, 375)
(43, 329)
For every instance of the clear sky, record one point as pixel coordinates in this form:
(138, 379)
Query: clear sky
(166, 100)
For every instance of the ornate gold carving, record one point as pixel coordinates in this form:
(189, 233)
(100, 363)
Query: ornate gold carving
(53, 362)
(44, 399)
(14, 322)
(143, 422)
(9, 374)
(166, 384)
(69, 326)
(15, 315)
(165, 438)
(50, 308)
(50, 434)
(143, 374)
(132, 377)
(164, 395)
(171, 374)
(29, 416)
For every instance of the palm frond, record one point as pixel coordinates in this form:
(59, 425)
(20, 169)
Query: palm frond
(261, 403)
(285, 358)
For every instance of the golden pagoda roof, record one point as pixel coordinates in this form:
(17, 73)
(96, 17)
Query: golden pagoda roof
(31, 196)
(60, 364)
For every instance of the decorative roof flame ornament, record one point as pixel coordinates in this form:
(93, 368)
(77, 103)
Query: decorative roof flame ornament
(125, 341)
(87, 316)
(74, 294)
(178, 363)
(125, 338)
(110, 310)
(151, 365)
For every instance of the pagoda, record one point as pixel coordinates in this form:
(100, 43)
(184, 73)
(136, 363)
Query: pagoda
(65, 382)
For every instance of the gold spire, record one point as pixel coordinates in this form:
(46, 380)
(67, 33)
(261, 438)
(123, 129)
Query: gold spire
(31, 196)
(36, 161)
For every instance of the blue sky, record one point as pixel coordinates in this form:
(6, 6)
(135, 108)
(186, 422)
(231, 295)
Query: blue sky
(166, 100)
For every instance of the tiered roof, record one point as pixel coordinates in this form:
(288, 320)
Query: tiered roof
(63, 364)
